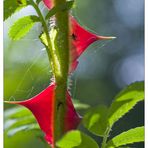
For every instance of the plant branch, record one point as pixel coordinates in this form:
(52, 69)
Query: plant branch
(105, 137)
(60, 42)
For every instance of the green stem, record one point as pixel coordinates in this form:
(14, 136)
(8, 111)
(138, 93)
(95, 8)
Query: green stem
(42, 21)
(61, 46)
(105, 137)
(58, 51)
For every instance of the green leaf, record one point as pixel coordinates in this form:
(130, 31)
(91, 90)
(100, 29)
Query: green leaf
(124, 147)
(43, 39)
(13, 123)
(16, 112)
(125, 101)
(23, 128)
(22, 26)
(95, 120)
(11, 6)
(61, 7)
(128, 137)
(76, 139)
(19, 119)
(78, 105)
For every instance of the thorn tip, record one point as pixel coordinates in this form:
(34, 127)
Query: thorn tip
(106, 37)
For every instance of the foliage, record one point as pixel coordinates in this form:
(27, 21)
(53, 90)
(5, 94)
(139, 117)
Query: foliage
(76, 139)
(22, 26)
(127, 137)
(100, 120)
(125, 101)
(11, 6)
(94, 117)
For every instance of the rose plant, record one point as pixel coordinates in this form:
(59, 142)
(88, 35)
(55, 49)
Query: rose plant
(65, 40)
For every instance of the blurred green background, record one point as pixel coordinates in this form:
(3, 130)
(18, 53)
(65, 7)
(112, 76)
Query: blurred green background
(104, 68)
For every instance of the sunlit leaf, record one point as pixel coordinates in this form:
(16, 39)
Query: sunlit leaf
(22, 26)
(127, 137)
(95, 120)
(44, 39)
(11, 6)
(76, 139)
(125, 101)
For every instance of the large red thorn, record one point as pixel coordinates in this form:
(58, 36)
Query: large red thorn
(42, 107)
(80, 40)
(48, 3)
